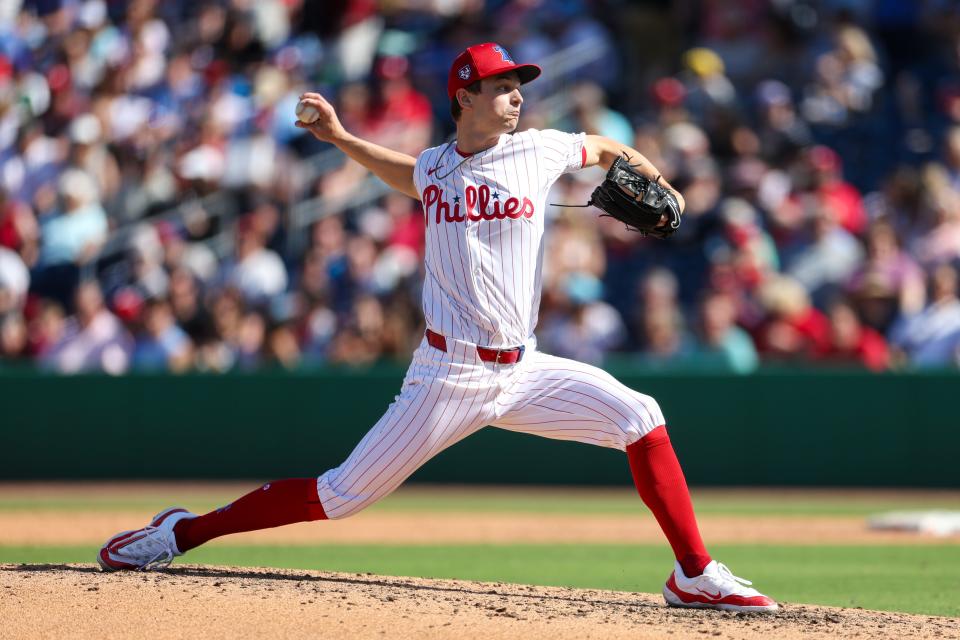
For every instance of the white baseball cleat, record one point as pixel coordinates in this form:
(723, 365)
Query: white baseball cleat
(152, 547)
(716, 588)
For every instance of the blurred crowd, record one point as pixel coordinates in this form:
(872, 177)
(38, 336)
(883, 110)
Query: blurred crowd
(150, 171)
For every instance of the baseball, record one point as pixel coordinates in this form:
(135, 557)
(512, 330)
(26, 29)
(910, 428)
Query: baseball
(307, 113)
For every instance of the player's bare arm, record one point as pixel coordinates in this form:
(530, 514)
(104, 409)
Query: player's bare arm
(603, 151)
(393, 167)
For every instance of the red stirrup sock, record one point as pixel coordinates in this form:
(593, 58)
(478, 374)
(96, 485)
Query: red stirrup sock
(272, 505)
(660, 482)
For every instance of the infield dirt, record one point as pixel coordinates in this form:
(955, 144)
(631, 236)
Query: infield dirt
(78, 601)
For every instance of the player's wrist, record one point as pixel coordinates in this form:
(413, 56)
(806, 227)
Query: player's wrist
(343, 139)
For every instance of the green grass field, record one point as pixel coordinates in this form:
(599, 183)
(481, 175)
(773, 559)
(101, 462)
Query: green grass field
(921, 579)
(510, 500)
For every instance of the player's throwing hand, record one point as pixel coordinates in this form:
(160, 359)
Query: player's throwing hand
(326, 127)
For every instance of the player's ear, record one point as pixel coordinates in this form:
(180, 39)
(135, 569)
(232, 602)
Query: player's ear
(464, 98)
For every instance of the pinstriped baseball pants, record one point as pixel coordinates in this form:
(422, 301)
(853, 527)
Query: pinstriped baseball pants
(446, 396)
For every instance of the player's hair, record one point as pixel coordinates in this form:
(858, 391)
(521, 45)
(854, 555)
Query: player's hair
(455, 109)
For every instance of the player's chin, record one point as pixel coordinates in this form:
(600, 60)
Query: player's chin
(511, 123)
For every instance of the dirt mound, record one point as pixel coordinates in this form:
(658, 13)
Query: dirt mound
(67, 601)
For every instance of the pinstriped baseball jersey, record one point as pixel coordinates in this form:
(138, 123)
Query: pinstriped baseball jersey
(484, 233)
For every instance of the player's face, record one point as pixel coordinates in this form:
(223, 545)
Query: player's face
(498, 105)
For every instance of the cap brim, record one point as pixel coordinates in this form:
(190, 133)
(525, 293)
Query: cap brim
(527, 72)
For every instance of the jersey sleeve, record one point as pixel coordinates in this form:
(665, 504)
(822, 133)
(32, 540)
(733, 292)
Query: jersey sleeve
(418, 171)
(562, 152)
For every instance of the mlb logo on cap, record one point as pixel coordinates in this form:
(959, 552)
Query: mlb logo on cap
(484, 61)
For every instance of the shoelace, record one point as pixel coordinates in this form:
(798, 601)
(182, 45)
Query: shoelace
(160, 561)
(726, 573)
(162, 557)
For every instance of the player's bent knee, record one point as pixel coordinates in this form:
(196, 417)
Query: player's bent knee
(646, 417)
(650, 412)
(341, 501)
(341, 507)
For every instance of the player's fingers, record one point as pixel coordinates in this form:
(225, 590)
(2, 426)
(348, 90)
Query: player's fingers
(319, 105)
(313, 96)
(309, 126)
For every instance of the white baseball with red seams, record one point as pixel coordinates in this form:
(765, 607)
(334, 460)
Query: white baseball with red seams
(484, 255)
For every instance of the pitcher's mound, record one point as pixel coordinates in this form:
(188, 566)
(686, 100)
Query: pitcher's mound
(229, 602)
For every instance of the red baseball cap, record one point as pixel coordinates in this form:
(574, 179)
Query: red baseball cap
(483, 61)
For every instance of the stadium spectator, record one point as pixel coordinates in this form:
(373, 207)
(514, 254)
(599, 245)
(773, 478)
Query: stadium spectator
(847, 77)
(741, 239)
(710, 95)
(794, 328)
(574, 247)
(819, 181)
(19, 230)
(249, 340)
(282, 347)
(13, 338)
(45, 328)
(665, 339)
(93, 339)
(590, 114)
(888, 282)
(161, 345)
(931, 338)
(826, 259)
(146, 259)
(399, 116)
(850, 341)
(219, 351)
(939, 241)
(187, 307)
(89, 154)
(782, 133)
(75, 233)
(360, 339)
(257, 272)
(721, 344)
(657, 289)
(585, 328)
(14, 281)
(952, 156)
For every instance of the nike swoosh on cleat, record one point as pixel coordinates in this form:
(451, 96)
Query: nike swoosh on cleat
(712, 596)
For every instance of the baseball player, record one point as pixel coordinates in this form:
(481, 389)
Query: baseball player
(483, 196)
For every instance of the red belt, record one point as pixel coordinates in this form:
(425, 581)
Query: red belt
(498, 356)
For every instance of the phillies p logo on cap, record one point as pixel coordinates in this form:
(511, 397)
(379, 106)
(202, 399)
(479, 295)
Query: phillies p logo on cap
(503, 54)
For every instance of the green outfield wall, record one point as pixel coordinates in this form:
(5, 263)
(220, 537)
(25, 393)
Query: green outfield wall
(788, 428)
